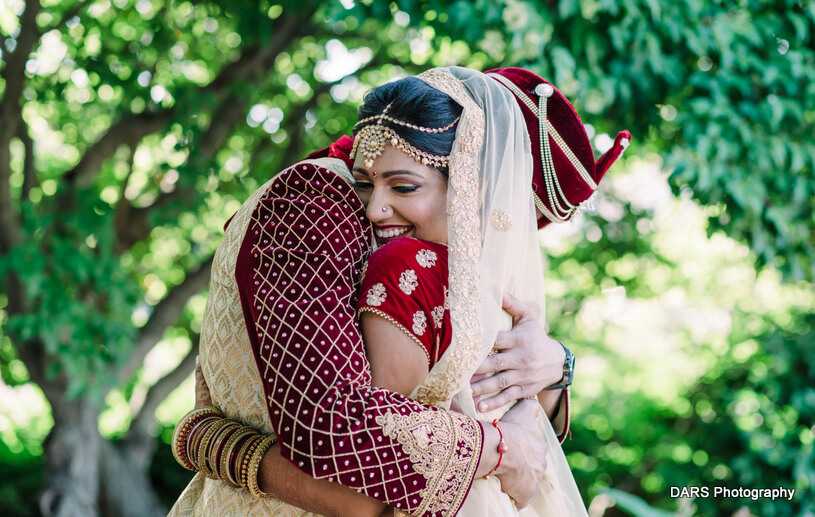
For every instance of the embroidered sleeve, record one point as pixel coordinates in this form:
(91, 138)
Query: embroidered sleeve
(297, 274)
(405, 282)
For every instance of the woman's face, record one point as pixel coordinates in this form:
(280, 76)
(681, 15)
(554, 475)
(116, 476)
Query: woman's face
(403, 198)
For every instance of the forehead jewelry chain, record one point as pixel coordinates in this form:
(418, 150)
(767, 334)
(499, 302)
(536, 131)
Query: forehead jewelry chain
(372, 139)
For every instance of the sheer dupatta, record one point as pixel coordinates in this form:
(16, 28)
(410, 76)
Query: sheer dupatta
(493, 248)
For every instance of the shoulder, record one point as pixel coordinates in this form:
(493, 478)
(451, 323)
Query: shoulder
(407, 258)
(326, 177)
(411, 253)
(309, 208)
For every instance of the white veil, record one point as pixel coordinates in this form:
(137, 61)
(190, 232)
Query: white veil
(493, 248)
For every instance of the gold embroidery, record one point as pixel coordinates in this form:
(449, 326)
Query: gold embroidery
(408, 281)
(441, 447)
(376, 295)
(419, 323)
(229, 367)
(426, 258)
(398, 325)
(438, 316)
(447, 376)
(500, 220)
(226, 353)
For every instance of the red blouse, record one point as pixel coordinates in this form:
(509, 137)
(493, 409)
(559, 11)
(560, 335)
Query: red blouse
(405, 282)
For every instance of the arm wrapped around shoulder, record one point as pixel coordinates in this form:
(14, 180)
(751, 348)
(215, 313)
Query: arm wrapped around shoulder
(297, 274)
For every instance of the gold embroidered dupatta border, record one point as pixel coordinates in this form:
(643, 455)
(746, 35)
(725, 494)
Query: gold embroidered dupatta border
(455, 367)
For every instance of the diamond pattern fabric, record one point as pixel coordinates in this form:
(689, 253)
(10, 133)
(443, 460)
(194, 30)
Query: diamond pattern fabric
(297, 274)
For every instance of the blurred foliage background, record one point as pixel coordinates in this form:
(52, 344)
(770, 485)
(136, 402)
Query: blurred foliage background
(130, 130)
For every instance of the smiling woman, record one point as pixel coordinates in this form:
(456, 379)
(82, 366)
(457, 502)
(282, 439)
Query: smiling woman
(403, 197)
(404, 184)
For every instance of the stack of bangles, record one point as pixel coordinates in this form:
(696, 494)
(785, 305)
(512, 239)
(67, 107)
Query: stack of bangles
(221, 448)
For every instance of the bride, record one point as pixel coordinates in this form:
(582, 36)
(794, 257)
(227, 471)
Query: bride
(456, 232)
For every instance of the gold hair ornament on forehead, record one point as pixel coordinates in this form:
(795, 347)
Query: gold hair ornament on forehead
(372, 139)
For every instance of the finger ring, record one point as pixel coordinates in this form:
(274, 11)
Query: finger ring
(513, 501)
(493, 352)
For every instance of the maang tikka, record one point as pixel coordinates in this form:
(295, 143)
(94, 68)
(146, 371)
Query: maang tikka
(372, 139)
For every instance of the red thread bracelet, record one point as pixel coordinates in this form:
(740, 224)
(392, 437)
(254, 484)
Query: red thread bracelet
(502, 448)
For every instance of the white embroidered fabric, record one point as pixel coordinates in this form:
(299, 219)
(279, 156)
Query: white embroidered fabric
(494, 249)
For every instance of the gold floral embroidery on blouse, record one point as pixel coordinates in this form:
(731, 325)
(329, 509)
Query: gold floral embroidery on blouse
(438, 316)
(419, 323)
(376, 295)
(426, 258)
(408, 281)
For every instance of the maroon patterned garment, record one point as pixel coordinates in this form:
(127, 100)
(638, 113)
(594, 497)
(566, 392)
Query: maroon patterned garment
(406, 283)
(297, 274)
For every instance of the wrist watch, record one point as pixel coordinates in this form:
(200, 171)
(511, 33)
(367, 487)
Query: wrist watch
(568, 371)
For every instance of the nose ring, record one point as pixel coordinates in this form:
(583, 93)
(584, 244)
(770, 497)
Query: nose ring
(384, 209)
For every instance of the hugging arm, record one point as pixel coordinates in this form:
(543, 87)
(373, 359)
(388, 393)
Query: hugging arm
(281, 480)
(405, 324)
(296, 274)
(528, 361)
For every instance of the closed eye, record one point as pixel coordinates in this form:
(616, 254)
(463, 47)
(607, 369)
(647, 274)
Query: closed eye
(405, 189)
(361, 185)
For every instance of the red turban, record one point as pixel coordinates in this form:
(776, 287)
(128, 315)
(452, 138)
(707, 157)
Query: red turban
(572, 157)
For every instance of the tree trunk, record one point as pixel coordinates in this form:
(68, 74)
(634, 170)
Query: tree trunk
(127, 490)
(72, 460)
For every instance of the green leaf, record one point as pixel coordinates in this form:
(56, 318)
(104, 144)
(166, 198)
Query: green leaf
(635, 505)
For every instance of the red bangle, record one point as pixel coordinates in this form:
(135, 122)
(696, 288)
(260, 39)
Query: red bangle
(502, 448)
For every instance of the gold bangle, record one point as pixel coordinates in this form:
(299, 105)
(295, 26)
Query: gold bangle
(214, 457)
(235, 460)
(182, 432)
(195, 436)
(226, 472)
(203, 450)
(254, 466)
(243, 461)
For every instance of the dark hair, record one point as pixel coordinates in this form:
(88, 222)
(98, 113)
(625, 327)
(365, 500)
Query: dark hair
(415, 102)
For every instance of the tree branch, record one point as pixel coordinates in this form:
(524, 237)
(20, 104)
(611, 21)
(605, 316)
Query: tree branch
(164, 314)
(259, 59)
(294, 151)
(143, 421)
(128, 130)
(123, 207)
(11, 117)
(30, 180)
(135, 227)
(131, 129)
(31, 353)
